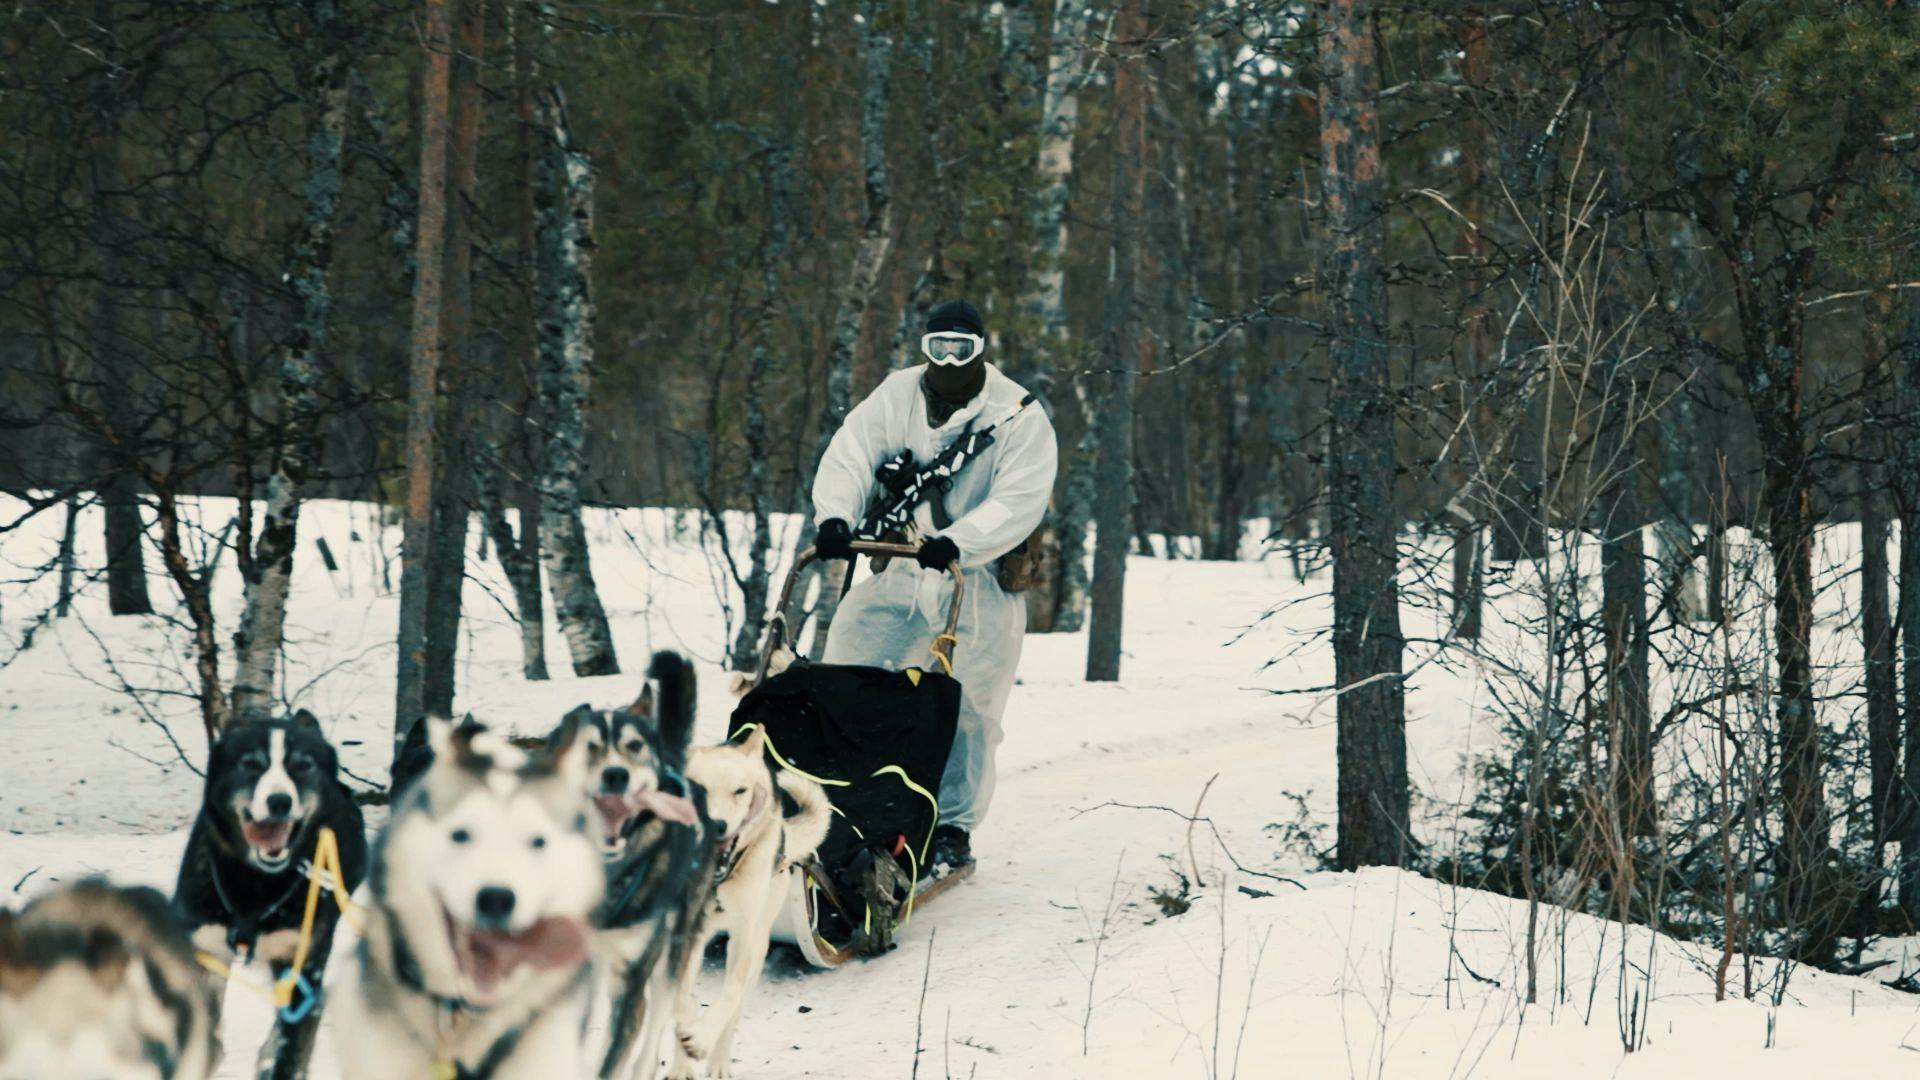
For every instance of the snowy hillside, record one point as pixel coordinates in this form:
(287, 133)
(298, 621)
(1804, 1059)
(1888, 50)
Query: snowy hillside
(1057, 960)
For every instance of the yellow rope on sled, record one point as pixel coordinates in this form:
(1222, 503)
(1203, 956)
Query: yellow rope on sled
(767, 740)
(906, 912)
(946, 665)
(325, 867)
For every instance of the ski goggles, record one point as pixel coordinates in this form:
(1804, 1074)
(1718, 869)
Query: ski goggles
(951, 348)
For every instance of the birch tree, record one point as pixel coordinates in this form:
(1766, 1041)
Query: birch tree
(1046, 299)
(754, 583)
(1469, 537)
(323, 59)
(519, 549)
(564, 204)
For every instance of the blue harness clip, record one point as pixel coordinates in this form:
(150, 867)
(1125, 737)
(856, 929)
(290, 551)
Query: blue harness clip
(304, 999)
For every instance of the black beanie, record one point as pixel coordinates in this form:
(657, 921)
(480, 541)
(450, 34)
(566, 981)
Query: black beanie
(956, 315)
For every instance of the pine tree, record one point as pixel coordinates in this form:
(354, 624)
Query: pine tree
(1120, 351)
(423, 372)
(1372, 740)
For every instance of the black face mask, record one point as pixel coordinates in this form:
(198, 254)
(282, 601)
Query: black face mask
(955, 386)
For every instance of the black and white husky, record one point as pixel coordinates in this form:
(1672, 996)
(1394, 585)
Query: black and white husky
(271, 786)
(101, 982)
(474, 959)
(658, 847)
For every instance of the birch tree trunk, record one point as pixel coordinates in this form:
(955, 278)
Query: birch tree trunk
(1046, 298)
(1113, 469)
(1046, 303)
(755, 587)
(519, 561)
(1679, 566)
(423, 372)
(1469, 537)
(326, 63)
(65, 601)
(1367, 646)
(856, 292)
(519, 550)
(447, 562)
(564, 201)
(1680, 584)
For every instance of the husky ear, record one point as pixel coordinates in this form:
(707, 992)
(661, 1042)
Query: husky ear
(644, 703)
(305, 719)
(568, 750)
(571, 725)
(755, 744)
(440, 737)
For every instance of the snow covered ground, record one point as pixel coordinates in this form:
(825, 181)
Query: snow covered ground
(1056, 961)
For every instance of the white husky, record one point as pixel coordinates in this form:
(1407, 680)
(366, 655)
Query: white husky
(760, 843)
(475, 956)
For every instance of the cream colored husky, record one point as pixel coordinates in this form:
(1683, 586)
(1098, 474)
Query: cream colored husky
(760, 843)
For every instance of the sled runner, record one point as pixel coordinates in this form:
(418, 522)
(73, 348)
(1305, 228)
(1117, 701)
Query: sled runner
(878, 741)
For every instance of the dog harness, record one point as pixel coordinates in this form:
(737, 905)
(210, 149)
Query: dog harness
(449, 1013)
(243, 931)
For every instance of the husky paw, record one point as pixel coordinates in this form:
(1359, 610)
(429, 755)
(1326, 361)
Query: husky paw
(212, 940)
(691, 1045)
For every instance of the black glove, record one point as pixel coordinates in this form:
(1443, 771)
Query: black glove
(938, 553)
(834, 540)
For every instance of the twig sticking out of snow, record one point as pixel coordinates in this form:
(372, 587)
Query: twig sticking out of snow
(926, 976)
(1099, 940)
(1194, 819)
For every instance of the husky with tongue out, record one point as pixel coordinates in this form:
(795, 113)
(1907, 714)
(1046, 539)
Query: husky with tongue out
(474, 961)
(271, 785)
(659, 850)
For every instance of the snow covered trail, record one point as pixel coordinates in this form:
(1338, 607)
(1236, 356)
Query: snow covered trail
(1374, 974)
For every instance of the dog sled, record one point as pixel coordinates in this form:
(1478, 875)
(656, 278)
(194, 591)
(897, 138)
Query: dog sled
(878, 741)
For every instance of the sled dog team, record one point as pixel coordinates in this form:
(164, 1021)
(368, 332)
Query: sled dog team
(522, 894)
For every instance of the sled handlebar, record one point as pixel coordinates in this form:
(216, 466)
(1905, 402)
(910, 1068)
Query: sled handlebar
(943, 643)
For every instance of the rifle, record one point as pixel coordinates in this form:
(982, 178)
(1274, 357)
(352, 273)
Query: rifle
(904, 488)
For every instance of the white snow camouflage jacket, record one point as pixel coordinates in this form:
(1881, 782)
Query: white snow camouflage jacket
(996, 501)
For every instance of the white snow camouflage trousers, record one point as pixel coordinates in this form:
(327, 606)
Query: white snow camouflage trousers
(889, 620)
